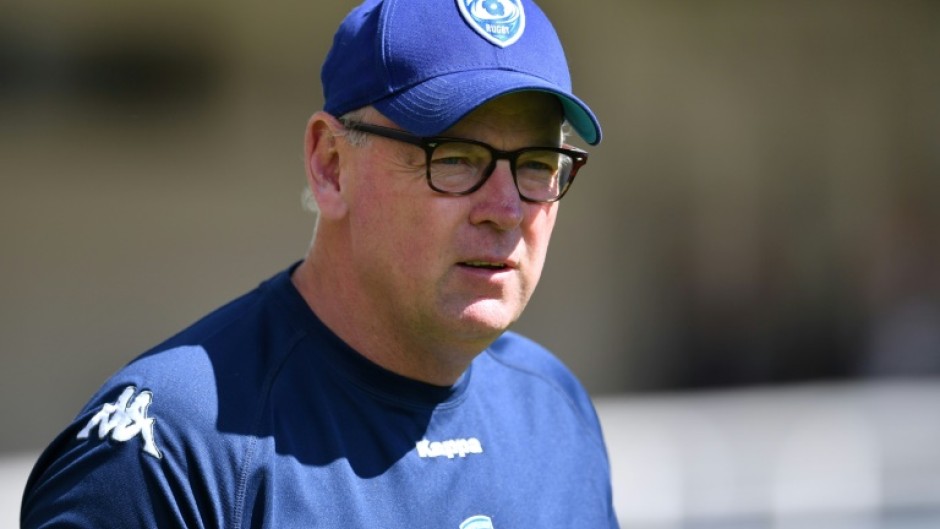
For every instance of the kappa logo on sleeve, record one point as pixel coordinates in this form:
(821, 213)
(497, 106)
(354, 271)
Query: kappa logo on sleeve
(125, 419)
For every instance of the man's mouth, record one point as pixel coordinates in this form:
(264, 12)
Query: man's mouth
(484, 264)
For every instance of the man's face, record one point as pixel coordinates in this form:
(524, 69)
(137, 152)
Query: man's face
(444, 268)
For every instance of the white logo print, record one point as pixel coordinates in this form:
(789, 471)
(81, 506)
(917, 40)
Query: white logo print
(449, 448)
(477, 522)
(498, 21)
(124, 419)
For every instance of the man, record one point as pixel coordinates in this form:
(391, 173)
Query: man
(375, 384)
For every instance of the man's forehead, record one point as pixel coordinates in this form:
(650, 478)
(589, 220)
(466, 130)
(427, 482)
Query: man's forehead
(522, 104)
(523, 112)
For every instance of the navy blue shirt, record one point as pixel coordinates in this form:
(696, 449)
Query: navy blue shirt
(258, 416)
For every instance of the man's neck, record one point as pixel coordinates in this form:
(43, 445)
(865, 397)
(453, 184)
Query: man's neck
(339, 308)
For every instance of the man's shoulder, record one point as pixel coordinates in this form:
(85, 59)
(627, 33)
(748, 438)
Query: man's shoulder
(150, 426)
(527, 358)
(192, 382)
(531, 376)
(520, 353)
(244, 314)
(189, 406)
(176, 378)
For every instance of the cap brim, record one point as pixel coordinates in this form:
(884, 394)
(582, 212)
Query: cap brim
(435, 105)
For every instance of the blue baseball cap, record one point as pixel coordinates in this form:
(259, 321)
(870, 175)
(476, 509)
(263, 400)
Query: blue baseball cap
(425, 64)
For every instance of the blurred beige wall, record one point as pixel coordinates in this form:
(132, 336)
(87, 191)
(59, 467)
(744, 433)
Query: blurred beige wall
(763, 208)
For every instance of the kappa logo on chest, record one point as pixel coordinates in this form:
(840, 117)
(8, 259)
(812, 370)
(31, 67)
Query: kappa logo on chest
(450, 448)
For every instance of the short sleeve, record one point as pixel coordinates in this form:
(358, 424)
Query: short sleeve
(140, 454)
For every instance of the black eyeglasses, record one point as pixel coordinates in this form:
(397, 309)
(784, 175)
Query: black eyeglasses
(459, 166)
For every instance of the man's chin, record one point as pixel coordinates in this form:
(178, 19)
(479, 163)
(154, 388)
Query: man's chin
(488, 318)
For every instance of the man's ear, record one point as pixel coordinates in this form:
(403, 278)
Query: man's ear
(322, 163)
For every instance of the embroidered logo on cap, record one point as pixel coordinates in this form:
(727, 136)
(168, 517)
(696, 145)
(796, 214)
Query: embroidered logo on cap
(498, 21)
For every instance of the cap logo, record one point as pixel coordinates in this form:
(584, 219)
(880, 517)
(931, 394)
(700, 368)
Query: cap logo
(499, 21)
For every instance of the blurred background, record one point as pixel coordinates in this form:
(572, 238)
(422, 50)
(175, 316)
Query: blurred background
(746, 276)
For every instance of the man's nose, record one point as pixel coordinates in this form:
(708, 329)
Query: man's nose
(498, 201)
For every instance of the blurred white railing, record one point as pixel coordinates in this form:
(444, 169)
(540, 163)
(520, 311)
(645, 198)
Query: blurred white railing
(859, 456)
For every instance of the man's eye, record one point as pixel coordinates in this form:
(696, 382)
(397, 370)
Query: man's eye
(534, 165)
(452, 160)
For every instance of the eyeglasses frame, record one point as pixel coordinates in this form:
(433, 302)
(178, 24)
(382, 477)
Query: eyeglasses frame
(578, 156)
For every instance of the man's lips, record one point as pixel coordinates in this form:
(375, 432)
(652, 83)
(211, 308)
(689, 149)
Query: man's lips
(484, 264)
(488, 264)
